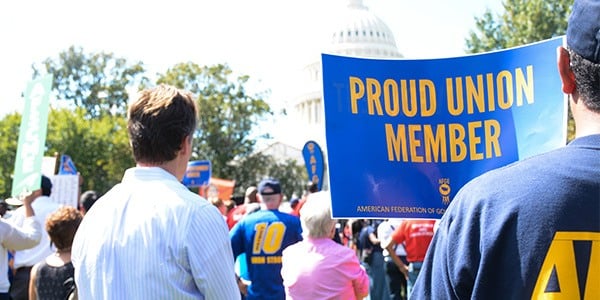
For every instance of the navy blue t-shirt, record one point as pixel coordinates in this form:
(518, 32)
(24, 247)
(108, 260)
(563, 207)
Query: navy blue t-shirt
(523, 231)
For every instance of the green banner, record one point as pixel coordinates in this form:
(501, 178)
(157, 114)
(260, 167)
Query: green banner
(32, 136)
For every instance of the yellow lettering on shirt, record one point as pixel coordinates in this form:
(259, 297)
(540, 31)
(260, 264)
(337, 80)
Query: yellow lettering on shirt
(561, 257)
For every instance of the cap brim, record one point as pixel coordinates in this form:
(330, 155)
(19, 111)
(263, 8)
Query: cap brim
(13, 201)
(270, 193)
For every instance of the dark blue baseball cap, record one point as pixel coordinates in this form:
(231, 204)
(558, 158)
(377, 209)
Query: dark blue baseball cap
(583, 29)
(269, 186)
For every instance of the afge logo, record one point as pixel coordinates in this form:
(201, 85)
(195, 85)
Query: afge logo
(444, 189)
(559, 277)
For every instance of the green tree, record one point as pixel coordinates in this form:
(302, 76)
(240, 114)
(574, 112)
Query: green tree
(290, 174)
(9, 132)
(229, 116)
(522, 22)
(249, 171)
(99, 147)
(97, 82)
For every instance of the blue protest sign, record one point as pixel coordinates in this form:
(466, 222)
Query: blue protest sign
(67, 166)
(313, 158)
(403, 136)
(197, 174)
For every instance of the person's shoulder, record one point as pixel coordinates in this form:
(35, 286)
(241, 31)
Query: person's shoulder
(341, 252)
(188, 200)
(517, 175)
(500, 190)
(251, 208)
(45, 205)
(193, 198)
(532, 166)
(53, 261)
(295, 248)
(265, 215)
(238, 210)
(19, 211)
(56, 206)
(344, 251)
(194, 206)
(5, 227)
(288, 217)
(363, 234)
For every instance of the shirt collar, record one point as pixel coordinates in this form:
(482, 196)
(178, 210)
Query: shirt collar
(588, 141)
(147, 173)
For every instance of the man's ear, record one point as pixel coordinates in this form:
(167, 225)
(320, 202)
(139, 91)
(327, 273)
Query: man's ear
(186, 145)
(564, 69)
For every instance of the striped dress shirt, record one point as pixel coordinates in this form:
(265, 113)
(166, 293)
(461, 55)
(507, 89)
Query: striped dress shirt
(149, 237)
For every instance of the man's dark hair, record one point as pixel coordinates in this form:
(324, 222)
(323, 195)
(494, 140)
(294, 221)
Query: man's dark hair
(88, 199)
(46, 186)
(312, 187)
(3, 208)
(587, 76)
(159, 120)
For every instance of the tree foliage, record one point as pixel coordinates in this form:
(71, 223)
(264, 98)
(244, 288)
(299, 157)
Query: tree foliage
(99, 147)
(290, 174)
(91, 127)
(97, 82)
(9, 132)
(522, 22)
(229, 116)
(293, 177)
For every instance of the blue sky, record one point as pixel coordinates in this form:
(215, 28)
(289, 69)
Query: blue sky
(261, 38)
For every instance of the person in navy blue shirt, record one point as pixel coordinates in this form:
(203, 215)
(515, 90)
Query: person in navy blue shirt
(262, 236)
(531, 230)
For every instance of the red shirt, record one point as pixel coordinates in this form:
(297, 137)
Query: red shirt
(235, 214)
(296, 210)
(416, 235)
(238, 212)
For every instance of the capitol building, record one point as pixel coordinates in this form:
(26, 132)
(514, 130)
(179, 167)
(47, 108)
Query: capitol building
(355, 32)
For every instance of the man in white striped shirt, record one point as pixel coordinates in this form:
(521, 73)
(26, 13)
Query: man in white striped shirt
(149, 237)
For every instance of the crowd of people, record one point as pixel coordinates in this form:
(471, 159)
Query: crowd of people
(37, 261)
(528, 230)
(282, 253)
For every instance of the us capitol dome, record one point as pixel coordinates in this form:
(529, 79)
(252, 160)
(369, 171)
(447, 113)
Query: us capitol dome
(356, 32)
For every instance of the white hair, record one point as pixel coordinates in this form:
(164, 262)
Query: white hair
(315, 215)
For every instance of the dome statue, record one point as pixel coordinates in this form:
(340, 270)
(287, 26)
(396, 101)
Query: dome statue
(355, 32)
(359, 33)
